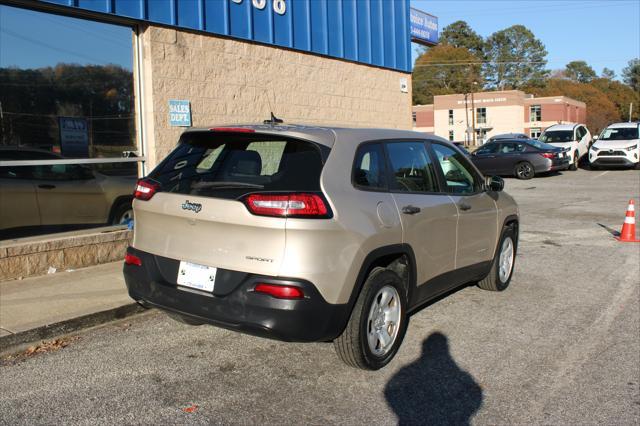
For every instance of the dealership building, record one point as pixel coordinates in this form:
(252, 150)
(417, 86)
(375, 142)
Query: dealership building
(187, 63)
(493, 113)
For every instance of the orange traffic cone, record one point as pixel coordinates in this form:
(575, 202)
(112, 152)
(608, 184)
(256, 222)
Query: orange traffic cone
(628, 233)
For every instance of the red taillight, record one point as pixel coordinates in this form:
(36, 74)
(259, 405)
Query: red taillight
(232, 129)
(548, 155)
(286, 205)
(132, 259)
(145, 189)
(280, 291)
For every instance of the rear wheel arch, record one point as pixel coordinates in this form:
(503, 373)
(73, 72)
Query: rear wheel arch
(399, 258)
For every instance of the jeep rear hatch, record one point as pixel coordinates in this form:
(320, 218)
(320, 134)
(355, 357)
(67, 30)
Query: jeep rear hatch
(221, 199)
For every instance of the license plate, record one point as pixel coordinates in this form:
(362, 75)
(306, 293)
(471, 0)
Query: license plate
(196, 276)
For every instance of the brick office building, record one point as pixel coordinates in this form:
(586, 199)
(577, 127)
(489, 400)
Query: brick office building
(509, 111)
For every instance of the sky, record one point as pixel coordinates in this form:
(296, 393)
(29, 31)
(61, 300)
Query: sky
(605, 33)
(52, 39)
(602, 33)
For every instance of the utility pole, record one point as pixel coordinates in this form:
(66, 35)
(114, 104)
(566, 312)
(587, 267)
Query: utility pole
(473, 113)
(466, 113)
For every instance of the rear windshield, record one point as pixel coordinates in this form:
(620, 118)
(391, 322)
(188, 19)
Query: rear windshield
(619, 134)
(231, 165)
(555, 136)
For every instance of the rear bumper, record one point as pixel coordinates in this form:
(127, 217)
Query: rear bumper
(234, 305)
(554, 165)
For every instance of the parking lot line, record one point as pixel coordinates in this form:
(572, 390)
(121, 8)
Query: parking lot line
(601, 174)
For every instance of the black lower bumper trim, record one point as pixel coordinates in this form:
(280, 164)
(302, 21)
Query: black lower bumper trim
(242, 309)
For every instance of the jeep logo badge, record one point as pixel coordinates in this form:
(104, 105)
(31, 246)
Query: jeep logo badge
(195, 207)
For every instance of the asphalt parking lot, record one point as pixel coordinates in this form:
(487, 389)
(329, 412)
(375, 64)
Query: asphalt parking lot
(560, 346)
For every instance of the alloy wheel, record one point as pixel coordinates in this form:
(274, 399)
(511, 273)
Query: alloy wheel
(383, 322)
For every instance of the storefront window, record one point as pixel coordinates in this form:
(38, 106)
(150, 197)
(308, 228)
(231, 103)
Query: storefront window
(68, 147)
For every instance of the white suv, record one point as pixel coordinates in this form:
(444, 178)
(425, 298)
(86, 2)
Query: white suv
(576, 137)
(617, 146)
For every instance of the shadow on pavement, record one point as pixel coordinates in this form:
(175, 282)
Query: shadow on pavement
(610, 230)
(433, 390)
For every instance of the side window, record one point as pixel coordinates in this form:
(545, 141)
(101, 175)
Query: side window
(457, 172)
(510, 148)
(490, 148)
(61, 172)
(520, 147)
(412, 168)
(369, 170)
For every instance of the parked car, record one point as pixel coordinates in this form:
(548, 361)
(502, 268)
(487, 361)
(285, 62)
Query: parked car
(58, 195)
(461, 147)
(520, 158)
(575, 137)
(508, 136)
(618, 145)
(316, 234)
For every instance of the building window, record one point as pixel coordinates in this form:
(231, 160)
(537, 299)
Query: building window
(534, 133)
(414, 116)
(450, 117)
(67, 123)
(451, 135)
(481, 115)
(535, 113)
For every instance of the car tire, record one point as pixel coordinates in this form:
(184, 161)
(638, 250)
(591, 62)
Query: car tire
(574, 163)
(361, 343)
(122, 213)
(524, 170)
(498, 278)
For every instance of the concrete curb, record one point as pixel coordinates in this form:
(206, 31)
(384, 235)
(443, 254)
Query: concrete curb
(12, 342)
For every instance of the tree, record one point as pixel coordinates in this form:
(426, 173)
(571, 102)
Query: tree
(608, 73)
(579, 71)
(631, 74)
(442, 70)
(621, 95)
(460, 34)
(516, 58)
(601, 111)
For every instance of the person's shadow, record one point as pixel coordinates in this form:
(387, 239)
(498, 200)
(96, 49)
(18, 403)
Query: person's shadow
(433, 390)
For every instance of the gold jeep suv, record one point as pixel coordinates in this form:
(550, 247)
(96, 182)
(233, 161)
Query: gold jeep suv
(316, 234)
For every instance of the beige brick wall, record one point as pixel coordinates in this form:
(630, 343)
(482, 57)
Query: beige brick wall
(229, 81)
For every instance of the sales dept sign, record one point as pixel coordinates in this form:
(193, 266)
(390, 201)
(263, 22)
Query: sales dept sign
(179, 113)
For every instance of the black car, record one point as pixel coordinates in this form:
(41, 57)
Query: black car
(522, 158)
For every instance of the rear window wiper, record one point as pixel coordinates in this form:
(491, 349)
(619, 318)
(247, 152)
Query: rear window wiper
(225, 185)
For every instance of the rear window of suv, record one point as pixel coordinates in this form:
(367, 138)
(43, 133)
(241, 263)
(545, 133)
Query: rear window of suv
(228, 165)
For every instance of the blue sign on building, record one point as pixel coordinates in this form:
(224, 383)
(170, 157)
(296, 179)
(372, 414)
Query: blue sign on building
(424, 27)
(374, 32)
(179, 113)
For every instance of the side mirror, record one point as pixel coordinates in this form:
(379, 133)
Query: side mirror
(494, 183)
(595, 138)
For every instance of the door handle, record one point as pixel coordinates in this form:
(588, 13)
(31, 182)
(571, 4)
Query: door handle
(46, 186)
(464, 207)
(410, 209)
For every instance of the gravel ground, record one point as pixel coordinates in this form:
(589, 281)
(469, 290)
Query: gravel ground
(560, 346)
